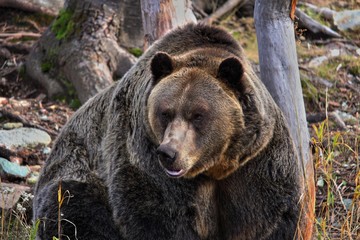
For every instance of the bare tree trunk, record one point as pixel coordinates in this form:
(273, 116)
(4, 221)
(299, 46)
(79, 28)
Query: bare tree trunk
(280, 73)
(160, 16)
(80, 51)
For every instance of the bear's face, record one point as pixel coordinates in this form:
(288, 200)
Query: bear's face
(193, 116)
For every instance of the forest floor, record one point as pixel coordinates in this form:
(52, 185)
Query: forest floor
(330, 77)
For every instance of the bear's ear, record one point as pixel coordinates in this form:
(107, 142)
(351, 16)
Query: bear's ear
(161, 65)
(231, 72)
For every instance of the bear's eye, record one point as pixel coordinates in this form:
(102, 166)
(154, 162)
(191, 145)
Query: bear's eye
(165, 117)
(165, 114)
(197, 117)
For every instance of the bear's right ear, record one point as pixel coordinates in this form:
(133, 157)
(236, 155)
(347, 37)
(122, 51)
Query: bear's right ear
(161, 65)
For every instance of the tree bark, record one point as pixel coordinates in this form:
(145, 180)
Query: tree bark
(131, 30)
(80, 51)
(160, 16)
(280, 73)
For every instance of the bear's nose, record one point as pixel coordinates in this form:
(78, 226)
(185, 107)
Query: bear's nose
(167, 155)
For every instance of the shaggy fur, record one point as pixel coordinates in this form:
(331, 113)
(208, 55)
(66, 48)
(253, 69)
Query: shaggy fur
(222, 128)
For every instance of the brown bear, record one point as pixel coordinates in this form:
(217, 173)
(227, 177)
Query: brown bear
(187, 145)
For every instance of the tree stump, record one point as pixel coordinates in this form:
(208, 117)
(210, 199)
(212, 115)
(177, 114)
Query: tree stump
(80, 53)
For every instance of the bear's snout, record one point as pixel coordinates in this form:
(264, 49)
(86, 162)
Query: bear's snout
(166, 154)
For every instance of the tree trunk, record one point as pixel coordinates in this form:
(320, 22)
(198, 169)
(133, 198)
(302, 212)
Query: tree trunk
(80, 52)
(280, 73)
(160, 16)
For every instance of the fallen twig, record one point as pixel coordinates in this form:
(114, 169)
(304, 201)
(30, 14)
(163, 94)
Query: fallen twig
(19, 35)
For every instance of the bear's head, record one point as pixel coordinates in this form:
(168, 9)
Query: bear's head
(197, 112)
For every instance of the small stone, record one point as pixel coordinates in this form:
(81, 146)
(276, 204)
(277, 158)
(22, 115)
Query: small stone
(320, 182)
(358, 51)
(335, 52)
(317, 61)
(33, 178)
(12, 125)
(9, 169)
(44, 118)
(35, 168)
(347, 203)
(46, 150)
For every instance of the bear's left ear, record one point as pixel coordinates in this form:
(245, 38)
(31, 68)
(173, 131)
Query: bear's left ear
(231, 72)
(161, 65)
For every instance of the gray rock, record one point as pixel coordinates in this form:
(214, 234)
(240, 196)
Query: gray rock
(24, 137)
(347, 20)
(317, 61)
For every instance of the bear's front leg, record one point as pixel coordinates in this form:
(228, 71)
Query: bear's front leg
(145, 208)
(84, 212)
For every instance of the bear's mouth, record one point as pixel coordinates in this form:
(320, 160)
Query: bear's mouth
(175, 173)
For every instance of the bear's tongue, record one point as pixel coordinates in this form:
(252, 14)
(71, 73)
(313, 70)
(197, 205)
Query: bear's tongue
(175, 173)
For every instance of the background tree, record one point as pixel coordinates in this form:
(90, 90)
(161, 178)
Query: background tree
(280, 73)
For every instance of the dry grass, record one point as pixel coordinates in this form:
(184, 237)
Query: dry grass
(338, 183)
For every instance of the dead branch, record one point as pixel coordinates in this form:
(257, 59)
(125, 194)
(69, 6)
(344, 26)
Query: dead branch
(18, 35)
(319, 117)
(35, 25)
(324, 12)
(224, 9)
(314, 26)
(25, 122)
(47, 7)
(198, 10)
